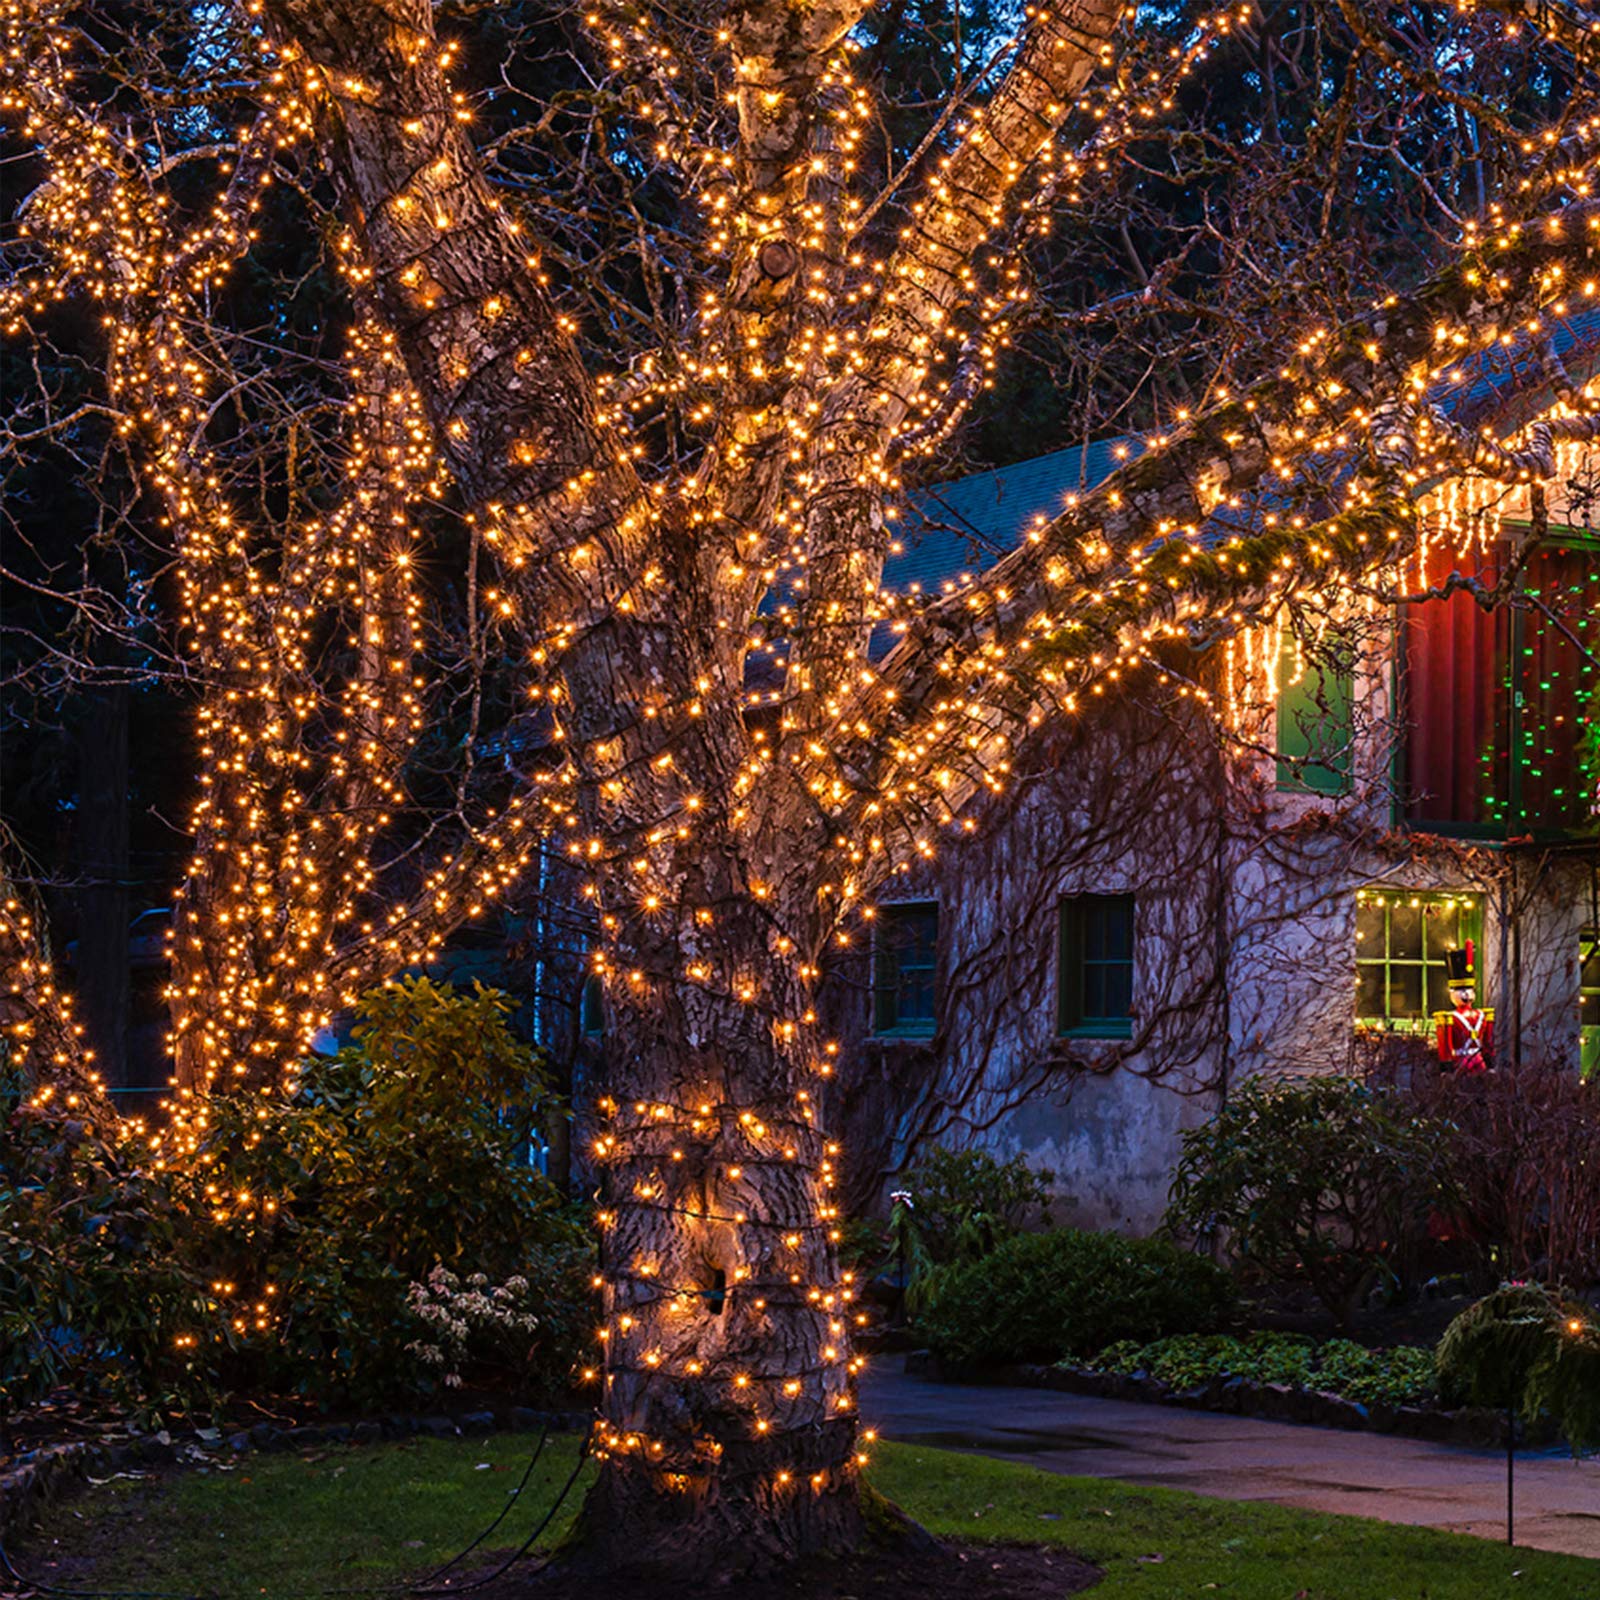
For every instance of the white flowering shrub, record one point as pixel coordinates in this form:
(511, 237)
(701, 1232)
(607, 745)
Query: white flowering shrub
(466, 1320)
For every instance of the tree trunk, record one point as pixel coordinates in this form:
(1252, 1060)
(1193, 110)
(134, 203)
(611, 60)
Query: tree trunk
(728, 1433)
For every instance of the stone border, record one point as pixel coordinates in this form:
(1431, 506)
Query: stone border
(1273, 1402)
(41, 1477)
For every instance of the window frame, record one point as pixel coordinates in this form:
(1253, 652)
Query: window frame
(1072, 1020)
(886, 986)
(592, 1007)
(1470, 907)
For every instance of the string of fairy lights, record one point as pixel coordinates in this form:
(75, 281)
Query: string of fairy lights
(887, 753)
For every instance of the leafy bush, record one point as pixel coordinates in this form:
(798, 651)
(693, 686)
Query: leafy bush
(292, 1248)
(1326, 1181)
(403, 1152)
(1041, 1296)
(90, 1277)
(1401, 1376)
(966, 1203)
(1527, 1347)
(952, 1206)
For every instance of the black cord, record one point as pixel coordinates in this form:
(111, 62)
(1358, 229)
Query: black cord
(527, 1544)
(505, 1510)
(410, 1586)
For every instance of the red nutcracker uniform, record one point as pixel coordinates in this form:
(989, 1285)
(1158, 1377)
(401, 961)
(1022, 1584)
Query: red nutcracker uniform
(1466, 1034)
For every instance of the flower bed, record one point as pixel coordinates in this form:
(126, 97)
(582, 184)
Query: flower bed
(1279, 1377)
(1402, 1376)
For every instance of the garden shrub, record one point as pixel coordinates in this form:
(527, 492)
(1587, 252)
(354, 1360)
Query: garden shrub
(1527, 1189)
(953, 1205)
(1325, 1181)
(1529, 1348)
(966, 1203)
(297, 1247)
(91, 1280)
(1403, 1375)
(404, 1152)
(1041, 1296)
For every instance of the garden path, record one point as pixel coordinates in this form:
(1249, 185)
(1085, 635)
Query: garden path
(1244, 1458)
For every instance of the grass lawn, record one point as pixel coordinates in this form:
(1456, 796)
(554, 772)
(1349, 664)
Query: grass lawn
(284, 1527)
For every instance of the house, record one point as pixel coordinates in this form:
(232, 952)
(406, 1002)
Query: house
(1259, 870)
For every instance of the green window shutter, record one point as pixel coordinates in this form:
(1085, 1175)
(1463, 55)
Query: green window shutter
(592, 1013)
(1315, 718)
(1589, 1003)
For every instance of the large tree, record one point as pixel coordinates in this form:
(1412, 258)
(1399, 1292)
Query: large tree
(663, 306)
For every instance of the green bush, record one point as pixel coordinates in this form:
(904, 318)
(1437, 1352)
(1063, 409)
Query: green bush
(965, 1203)
(404, 1152)
(1325, 1181)
(299, 1247)
(1528, 1347)
(91, 1280)
(1400, 1376)
(1041, 1296)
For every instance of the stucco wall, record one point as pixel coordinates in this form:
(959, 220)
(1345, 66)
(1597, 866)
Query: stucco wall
(1245, 964)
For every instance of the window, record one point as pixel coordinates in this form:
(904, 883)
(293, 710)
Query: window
(1589, 1002)
(905, 961)
(1096, 966)
(1499, 704)
(1315, 721)
(592, 1007)
(1401, 940)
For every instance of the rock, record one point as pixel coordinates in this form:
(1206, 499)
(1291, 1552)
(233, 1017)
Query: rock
(1195, 1399)
(238, 1443)
(1235, 1395)
(478, 1422)
(523, 1419)
(438, 1427)
(1334, 1411)
(366, 1433)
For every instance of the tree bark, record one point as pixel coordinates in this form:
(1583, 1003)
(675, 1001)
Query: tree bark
(728, 1432)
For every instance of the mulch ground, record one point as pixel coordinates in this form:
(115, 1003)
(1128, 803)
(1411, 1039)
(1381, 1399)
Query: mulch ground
(950, 1572)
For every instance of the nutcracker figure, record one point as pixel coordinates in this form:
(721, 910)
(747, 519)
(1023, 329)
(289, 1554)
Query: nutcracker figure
(1466, 1033)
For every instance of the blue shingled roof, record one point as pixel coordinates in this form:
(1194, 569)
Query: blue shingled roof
(962, 527)
(953, 531)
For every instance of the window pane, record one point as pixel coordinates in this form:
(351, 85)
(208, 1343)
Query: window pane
(1369, 933)
(1096, 977)
(1118, 990)
(1405, 933)
(1369, 992)
(1119, 927)
(1589, 973)
(1094, 930)
(905, 967)
(1405, 991)
(1094, 991)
